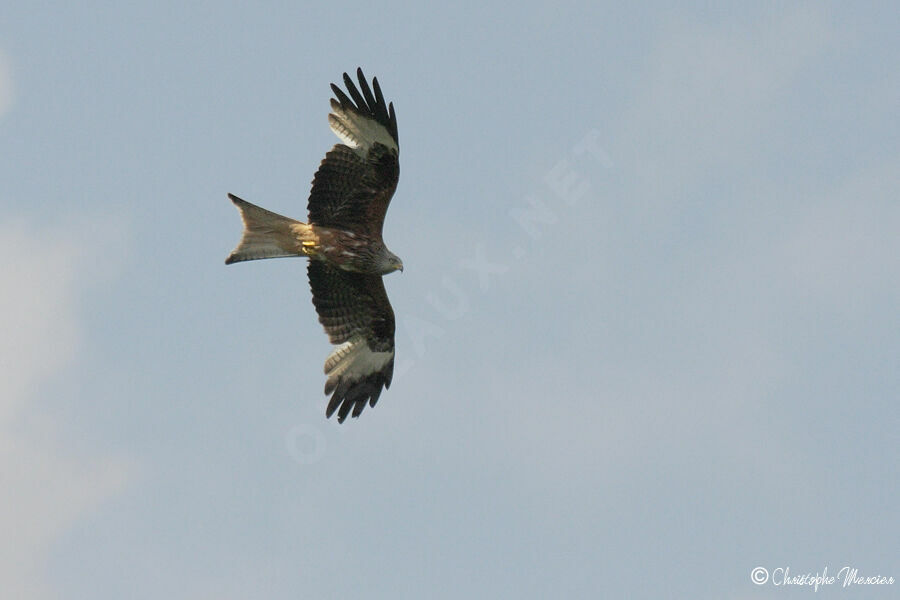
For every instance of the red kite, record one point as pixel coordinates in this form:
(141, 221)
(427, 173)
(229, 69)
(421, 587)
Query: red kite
(349, 198)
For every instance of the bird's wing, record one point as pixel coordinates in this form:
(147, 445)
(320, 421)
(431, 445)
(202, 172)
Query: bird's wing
(357, 316)
(356, 180)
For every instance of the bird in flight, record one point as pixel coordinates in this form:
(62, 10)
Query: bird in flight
(342, 238)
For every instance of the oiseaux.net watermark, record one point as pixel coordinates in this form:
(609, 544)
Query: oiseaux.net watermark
(844, 577)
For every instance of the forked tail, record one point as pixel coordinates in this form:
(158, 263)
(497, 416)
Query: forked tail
(266, 234)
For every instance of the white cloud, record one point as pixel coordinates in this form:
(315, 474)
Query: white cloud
(6, 85)
(46, 486)
(844, 251)
(712, 89)
(696, 363)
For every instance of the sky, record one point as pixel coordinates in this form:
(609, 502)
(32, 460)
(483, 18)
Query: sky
(647, 331)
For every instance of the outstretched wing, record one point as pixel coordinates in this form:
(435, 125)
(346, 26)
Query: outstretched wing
(358, 318)
(355, 182)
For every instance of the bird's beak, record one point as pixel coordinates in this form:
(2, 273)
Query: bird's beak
(401, 267)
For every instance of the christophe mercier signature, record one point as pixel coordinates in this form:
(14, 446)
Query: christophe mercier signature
(846, 577)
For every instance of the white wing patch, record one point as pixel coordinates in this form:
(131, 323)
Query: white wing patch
(358, 131)
(354, 360)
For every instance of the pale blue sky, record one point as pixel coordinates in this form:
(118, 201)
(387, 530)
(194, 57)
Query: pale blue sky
(647, 330)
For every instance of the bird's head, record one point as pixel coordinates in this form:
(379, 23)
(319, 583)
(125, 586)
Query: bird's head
(390, 263)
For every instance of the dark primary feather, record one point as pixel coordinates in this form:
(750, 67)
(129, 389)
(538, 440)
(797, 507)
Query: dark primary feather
(350, 305)
(367, 104)
(356, 395)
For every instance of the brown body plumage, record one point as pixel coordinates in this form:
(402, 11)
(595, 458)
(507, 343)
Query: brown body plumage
(270, 235)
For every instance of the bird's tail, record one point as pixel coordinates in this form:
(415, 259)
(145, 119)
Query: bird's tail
(266, 234)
